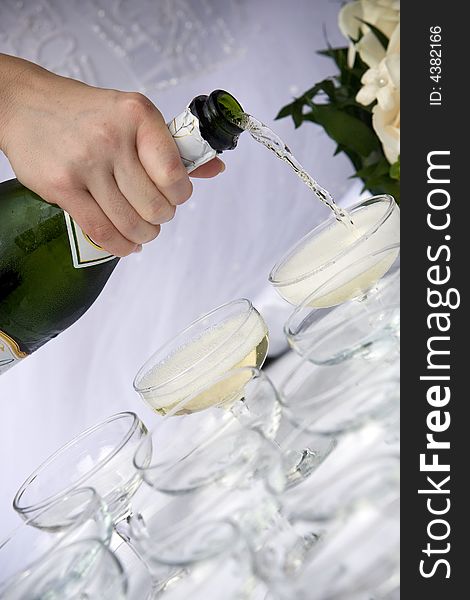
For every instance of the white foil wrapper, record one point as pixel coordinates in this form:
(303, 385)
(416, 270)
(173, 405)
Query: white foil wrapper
(193, 148)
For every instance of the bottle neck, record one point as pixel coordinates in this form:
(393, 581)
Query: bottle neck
(216, 114)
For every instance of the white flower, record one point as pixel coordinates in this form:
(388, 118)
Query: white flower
(387, 127)
(382, 83)
(383, 14)
(350, 26)
(382, 80)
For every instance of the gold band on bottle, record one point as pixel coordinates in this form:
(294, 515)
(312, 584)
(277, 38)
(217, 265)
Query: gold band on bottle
(12, 345)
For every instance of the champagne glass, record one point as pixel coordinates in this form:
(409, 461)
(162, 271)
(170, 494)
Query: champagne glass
(369, 327)
(100, 457)
(211, 463)
(170, 541)
(247, 393)
(226, 572)
(332, 247)
(227, 576)
(204, 466)
(321, 505)
(82, 569)
(77, 515)
(342, 484)
(230, 336)
(353, 557)
(308, 393)
(344, 409)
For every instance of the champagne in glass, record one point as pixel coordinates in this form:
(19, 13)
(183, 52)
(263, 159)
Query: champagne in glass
(233, 335)
(330, 250)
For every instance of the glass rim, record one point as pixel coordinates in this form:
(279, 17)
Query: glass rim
(234, 537)
(86, 542)
(305, 360)
(144, 368)
(391, 392)
(238, 463)
(294, 339)
(355, 375)
(288, 328)
(95, 502)
(324, 224)
(44, 503)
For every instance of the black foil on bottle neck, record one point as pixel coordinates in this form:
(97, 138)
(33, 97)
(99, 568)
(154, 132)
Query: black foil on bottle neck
(220, 133)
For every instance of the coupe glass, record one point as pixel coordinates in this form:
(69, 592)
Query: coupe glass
(247, 393)
(342, 484)
(355, 396)
(170, 540)
(74, 516)
(81, 569)
(100, 457)
(322, 404)
(232, 335)
(369, 327)
(345, 410)
(225, 573)
(351, 558)
(208, 466)
(332, 248)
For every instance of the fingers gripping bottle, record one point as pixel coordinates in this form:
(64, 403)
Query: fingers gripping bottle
(51, 272)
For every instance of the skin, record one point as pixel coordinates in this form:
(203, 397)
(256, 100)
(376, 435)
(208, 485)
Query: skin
(104, 156)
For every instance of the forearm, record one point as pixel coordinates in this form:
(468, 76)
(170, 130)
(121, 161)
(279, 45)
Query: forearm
(18, 78)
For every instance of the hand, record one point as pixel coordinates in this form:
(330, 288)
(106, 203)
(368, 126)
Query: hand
(104, 156)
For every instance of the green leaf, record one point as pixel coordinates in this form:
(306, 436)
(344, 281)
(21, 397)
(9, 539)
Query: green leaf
(285, 111)
(297, 113)
(395, 170)
(378, 168)
(339, 55)
(345, 129)
(380, 35)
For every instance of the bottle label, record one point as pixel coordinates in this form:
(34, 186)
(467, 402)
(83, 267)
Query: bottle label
(85, 253)
(10, 352)
(193, 148)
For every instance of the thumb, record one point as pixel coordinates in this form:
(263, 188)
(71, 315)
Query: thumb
(209, 169)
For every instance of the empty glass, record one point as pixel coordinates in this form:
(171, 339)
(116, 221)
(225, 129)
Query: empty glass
(348, 558)
(226, 573)
(230, 336)
(342, 484)
(332, 247)
(169, 539)
(321, 404)
(368, 328)
(84, 569)
(77, 515)
(353, 400)
(100, 457)
(207, 466)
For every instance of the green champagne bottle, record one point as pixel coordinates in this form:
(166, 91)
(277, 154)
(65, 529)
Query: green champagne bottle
(51, 272)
